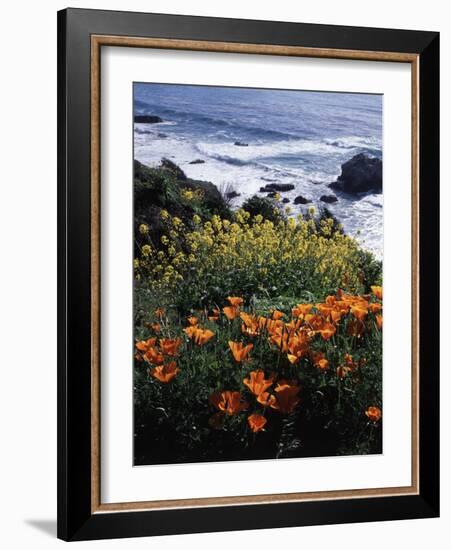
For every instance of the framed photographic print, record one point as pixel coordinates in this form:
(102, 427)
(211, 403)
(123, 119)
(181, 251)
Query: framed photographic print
(248, 274)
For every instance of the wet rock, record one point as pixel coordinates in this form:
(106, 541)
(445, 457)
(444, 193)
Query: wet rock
(328, 198)
(301, 200)
(278, 187)
(241, 144)
(148, 119)
(197, 161)
(361, 174)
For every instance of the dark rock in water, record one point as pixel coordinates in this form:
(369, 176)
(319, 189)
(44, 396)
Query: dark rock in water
(241, 144)
(279, 187)
(197, 161)
(361, 174)
(148, 119)
(160, 135)
(328, 198)
(175, 170)
(301, 200)
(232, 194)
(285, 200)
(272, 194)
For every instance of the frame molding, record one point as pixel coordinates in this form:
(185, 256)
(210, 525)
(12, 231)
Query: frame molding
(81, 515)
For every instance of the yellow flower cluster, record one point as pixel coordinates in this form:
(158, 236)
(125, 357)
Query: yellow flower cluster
(251, 243)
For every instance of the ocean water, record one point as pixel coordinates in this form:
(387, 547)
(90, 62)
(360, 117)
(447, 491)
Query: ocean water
(295, 137)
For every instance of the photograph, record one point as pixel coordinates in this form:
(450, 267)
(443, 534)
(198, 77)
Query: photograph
(258, 251)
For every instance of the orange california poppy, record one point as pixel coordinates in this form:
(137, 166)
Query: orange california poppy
(276, 314)
(324, 309)
(343, 371)
(301, 309)
(159, 312)
(144, 345)
(377, 291)
(170, 346)
(359, 312)
(379, 321)
(257, 382)
(286, 396)
(231, 312)
(322, 365)
(373, 413)
(375, 307)
(228, 402)
(154, 357)
(193, 320)
(298, 347)
(267, 399)
(327, 331)
(257, 422)
(202, 336)
(239, 351)
(165, 373)
(190, 331)
(234, 301)
(250, 324)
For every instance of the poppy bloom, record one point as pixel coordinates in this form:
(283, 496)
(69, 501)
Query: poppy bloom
(286, 397)
(190, 331)
(144, 345)
(202, 336)
(375, 307)
(359, 312)
(239, 351)
(159, 312)
(301, 309)
(234, 301)
(267, 399)
(250, 325)
(193, 320)
(165, 373)
(298, 347)
(228, 402)
(373, 413)
(377, 291)
(170, 346)
(336, 315)
(231, 312)
(343, 371)
(327, 331)
(276, 315)
(257, 382)
(379, 321)
(324, 309)
(322, 364)
(154, 357)
(257, 422)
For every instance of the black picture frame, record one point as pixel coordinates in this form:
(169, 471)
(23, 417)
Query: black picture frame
(76, 521)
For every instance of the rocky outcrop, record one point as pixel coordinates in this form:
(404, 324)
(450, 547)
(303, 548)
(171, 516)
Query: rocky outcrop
(175, 170)
(241, 144)
(197, 161)
(277, 188)
(148, 119)
(361, 174)
(328, 198)
(301, 200)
